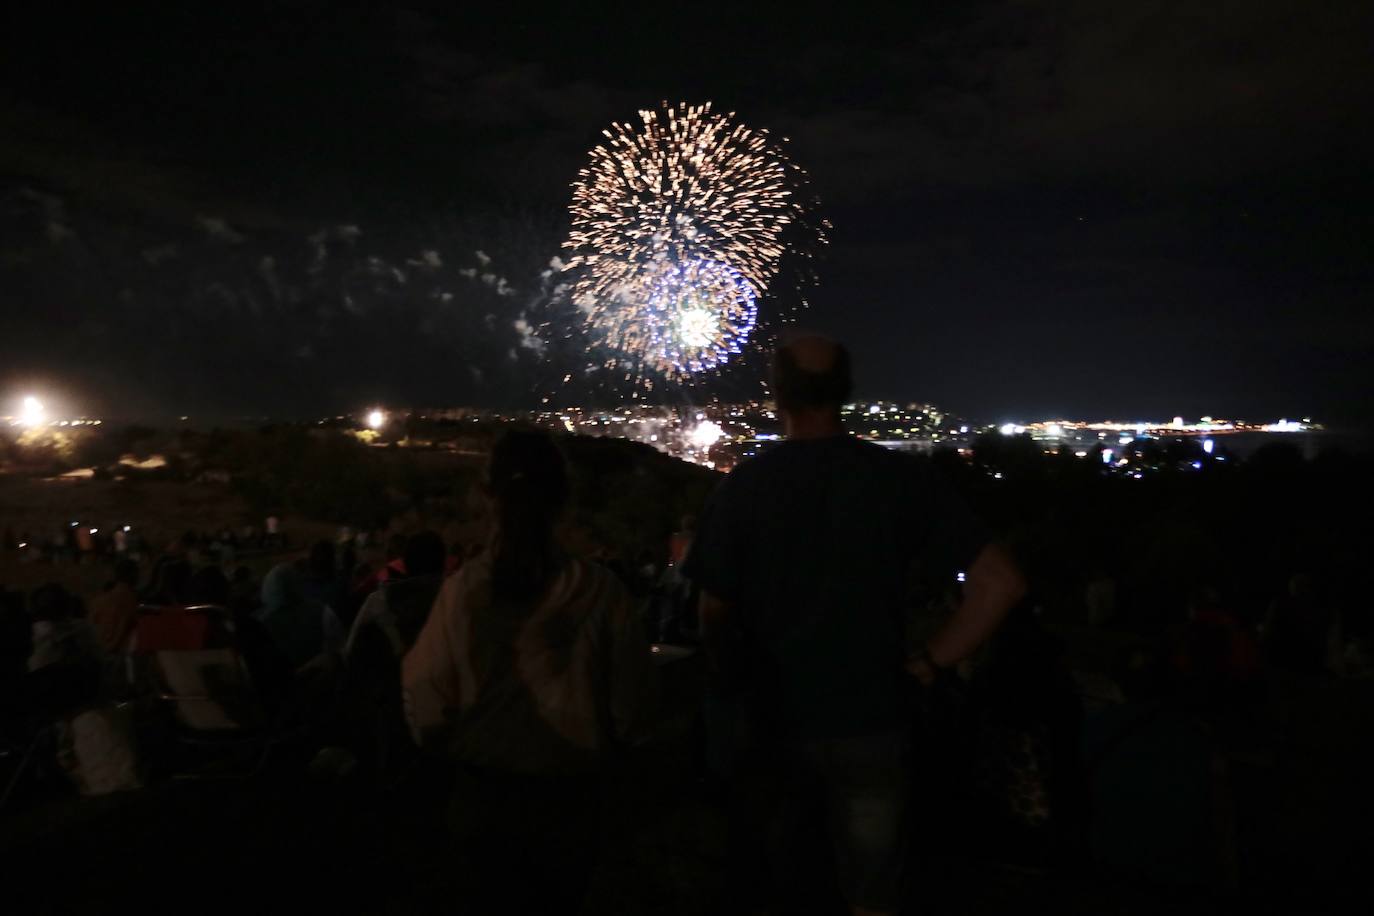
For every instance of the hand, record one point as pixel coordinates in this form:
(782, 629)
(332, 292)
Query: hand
(920, 667)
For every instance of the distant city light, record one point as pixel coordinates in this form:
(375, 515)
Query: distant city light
(960, 576)
(731, 432)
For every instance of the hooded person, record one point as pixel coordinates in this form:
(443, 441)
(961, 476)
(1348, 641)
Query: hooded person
(302, 628)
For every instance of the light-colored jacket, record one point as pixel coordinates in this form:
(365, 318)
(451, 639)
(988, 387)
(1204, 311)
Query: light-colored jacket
(548, 686)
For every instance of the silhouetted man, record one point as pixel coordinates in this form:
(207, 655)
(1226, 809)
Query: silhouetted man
(806, 556)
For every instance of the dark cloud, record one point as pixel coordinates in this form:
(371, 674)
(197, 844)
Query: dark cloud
(1081, 92)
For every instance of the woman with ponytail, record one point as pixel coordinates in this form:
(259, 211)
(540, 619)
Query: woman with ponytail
(532, 671)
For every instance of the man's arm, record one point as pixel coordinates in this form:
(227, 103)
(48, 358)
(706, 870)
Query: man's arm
(634, 677)
(993, 585)
(715, 628)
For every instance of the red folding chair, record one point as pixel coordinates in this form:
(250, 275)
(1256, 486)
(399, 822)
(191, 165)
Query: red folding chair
(190, 659)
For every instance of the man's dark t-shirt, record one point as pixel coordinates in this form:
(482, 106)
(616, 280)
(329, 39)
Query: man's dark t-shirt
(816, 546)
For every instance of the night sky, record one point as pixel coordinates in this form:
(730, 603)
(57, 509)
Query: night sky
(1040, 208)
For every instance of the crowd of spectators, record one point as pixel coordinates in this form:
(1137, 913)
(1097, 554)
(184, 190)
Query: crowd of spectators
(528, 669)
(89, 542)
(1054, 763)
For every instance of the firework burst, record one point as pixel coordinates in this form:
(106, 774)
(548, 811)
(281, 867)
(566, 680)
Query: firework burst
(679, 226)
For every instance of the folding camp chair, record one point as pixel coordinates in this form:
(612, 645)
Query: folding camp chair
(25, 753)
(192, 664)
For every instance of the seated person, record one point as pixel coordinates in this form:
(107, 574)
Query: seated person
(302, 629)
(114, 612)
(383, 631)
(16, 645)
(267, 667)
(401, 605)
